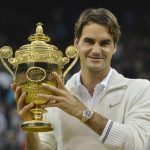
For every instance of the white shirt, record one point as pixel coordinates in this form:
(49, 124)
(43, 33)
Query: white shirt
(89, 100)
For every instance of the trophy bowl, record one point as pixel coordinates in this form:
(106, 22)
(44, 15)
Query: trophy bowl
(33, 65)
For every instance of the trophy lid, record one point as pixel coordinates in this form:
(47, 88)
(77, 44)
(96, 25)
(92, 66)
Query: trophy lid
(39, 50)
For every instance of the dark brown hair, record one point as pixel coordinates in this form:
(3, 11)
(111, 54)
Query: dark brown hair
(100, 16)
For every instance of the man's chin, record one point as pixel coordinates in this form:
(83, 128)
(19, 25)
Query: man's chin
(95, 68)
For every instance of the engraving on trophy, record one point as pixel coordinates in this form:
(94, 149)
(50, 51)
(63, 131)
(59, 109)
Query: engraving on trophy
(36, 74)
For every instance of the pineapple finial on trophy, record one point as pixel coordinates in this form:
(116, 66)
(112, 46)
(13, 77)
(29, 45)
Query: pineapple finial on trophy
(39, 28)
(39, 35)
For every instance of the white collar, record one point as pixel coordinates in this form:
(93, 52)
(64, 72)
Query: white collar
(103, 82)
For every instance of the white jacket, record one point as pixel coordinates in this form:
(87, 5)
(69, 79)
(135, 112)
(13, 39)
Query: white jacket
(125, 101)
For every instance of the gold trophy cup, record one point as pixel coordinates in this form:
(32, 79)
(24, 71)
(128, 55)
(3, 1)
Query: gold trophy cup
(33, 64)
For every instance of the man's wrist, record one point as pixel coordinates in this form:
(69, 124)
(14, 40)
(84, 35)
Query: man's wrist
(86, 115)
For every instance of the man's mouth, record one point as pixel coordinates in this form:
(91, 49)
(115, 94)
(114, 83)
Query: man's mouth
(96, 58)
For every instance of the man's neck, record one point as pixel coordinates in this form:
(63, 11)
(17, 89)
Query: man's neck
(90, 79)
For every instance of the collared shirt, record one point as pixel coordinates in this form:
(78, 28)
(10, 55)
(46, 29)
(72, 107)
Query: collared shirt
(122, 133)
(89, 100)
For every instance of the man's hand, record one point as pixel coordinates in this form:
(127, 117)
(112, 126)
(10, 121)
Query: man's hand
(62, 98)
(23, 109)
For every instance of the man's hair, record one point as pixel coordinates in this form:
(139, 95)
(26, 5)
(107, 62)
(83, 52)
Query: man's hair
(100, 16)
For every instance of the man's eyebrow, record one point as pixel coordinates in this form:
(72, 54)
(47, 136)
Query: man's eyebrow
(88, 38)
(106, 41)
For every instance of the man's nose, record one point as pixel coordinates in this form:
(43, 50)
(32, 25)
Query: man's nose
(96, 49)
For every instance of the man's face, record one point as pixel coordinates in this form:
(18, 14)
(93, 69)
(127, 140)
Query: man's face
(96, 48)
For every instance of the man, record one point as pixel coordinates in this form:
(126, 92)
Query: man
(98, 108)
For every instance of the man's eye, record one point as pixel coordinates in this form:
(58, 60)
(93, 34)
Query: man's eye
(105, 43)
(89, 42)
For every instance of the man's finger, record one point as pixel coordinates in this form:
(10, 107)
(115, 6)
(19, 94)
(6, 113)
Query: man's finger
(59, 80)
(13, 87)
(17, 93)
(53, 89)
(25, 109)
(21, 101)
(50, 98)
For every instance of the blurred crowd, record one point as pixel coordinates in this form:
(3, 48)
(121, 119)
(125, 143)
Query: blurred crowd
(132, 58)
(11, 137)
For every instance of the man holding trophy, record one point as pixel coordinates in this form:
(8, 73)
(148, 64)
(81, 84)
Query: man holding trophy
(98, 108)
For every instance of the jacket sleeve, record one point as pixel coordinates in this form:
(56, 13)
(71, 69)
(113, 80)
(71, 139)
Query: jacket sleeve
(47, 140)
(134, 132)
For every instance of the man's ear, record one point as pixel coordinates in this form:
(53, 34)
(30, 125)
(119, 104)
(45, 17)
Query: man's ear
(76, 41)
(115, 48)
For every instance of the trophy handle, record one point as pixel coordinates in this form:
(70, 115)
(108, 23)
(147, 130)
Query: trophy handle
(71, 52)
(7, 52)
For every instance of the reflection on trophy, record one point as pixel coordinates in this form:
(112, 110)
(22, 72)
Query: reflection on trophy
(33, 64)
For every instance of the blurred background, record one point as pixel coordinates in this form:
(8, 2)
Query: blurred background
(18, 20)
